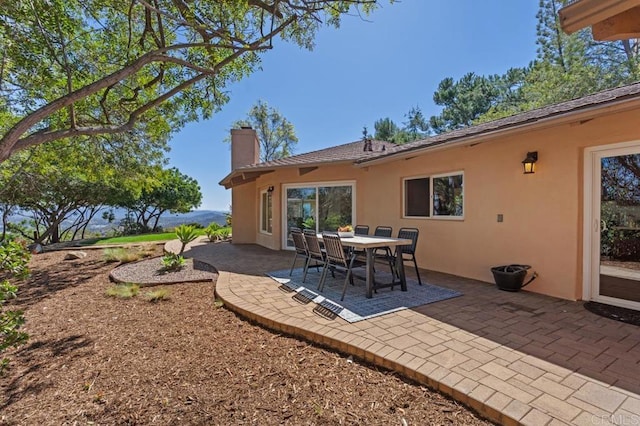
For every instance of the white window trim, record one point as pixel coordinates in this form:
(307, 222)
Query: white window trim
(431, 215)
(264, 231)
(283, 200)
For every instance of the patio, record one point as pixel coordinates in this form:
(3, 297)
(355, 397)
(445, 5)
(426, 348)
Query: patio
(514, 357)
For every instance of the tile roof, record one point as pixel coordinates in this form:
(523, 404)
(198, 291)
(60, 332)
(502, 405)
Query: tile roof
(349, 152)
(353, 152)
(599, 99)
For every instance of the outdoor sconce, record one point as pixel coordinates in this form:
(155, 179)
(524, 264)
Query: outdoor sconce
(270, 189)
(529, 163)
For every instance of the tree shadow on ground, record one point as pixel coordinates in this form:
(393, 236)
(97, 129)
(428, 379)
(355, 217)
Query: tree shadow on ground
(46, 282)
(39, 355)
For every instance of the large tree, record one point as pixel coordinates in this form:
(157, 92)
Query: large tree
(61, 185)
(276, 134)
(173, 192)
(385, 129)
(571, 66)
(73, 68)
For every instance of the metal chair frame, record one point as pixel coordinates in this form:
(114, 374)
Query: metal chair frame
(336, 259)
(300, 246)
(315, 252)
(410, 249)
(361, 230)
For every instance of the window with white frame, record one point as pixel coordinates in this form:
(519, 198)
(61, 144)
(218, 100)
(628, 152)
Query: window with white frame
(436, 196)
(266, 212)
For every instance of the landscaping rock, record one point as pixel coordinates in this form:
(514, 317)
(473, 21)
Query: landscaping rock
(35, 248)
(75, 255)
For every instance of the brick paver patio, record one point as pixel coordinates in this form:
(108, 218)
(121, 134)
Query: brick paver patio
(517, 358)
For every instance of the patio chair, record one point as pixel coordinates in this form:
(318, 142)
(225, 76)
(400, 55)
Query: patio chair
(336, 259)
(358, 230)
(387, 256)
(361, 230)
(410, 249)
(315, 253)
(300, 246)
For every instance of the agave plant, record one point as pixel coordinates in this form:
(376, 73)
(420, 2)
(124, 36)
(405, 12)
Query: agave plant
(186, 234)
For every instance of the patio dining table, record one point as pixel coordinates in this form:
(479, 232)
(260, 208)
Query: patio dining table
(369, 244)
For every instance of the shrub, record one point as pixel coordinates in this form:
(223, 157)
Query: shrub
(212, 231)
(195, 225)
(172, 262)
(224, 233)
(120, 254)
(123, 291)
(185, 234)
(157, 295)
(14, 258)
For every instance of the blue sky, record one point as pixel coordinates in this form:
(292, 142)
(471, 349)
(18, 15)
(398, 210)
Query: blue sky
(360, 72)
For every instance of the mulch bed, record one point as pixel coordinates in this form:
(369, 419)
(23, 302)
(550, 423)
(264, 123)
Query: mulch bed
(93, 359)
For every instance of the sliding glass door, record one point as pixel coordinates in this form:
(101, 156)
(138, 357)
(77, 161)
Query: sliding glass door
(615, 250)
(320, 207)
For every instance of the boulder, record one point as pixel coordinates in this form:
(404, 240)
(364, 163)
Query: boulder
(75, 255)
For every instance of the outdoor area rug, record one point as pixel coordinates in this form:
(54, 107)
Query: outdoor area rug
(355, 306)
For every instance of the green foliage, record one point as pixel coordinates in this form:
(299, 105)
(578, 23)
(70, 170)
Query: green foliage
(216, 233)
(196, 225)
(170, 191)
(224, 233)
(416, 127)
(69, 181)
(185, 234)
(172, 262)
(157, 295)
(105, 67)
(309, 223)
(276, 134)
(14, 259)
(123, 291)
(385, 130)
(212, 231)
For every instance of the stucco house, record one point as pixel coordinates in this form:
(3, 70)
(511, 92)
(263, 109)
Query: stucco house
(468, 194)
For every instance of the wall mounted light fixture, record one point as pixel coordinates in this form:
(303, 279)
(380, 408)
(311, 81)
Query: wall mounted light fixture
(270, 189)
(529, 163)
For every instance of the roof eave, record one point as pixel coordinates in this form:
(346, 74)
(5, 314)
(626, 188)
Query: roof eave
(585, 13)
(228, 181)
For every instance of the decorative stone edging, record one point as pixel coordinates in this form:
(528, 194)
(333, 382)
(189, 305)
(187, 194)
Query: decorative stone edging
(139, 273)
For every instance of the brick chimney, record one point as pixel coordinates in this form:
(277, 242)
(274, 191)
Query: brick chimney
(245, 147)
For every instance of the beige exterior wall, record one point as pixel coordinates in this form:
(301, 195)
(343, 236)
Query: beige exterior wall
(244, 210)
(542, 212)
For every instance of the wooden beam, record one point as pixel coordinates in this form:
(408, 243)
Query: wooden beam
(622, 26)
(586, 13)
(304, 170)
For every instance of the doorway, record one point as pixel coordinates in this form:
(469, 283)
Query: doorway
(612, 225)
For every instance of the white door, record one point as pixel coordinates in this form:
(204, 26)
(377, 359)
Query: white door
(612, 225)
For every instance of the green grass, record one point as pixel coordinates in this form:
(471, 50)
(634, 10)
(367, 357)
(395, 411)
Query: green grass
(142, 238)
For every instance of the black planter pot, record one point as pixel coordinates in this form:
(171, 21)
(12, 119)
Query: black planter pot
(511, 277)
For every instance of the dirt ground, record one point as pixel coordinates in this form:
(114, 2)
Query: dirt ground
(93, 359)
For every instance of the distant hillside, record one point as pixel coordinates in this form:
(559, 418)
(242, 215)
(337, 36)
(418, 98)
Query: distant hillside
(203, 217)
